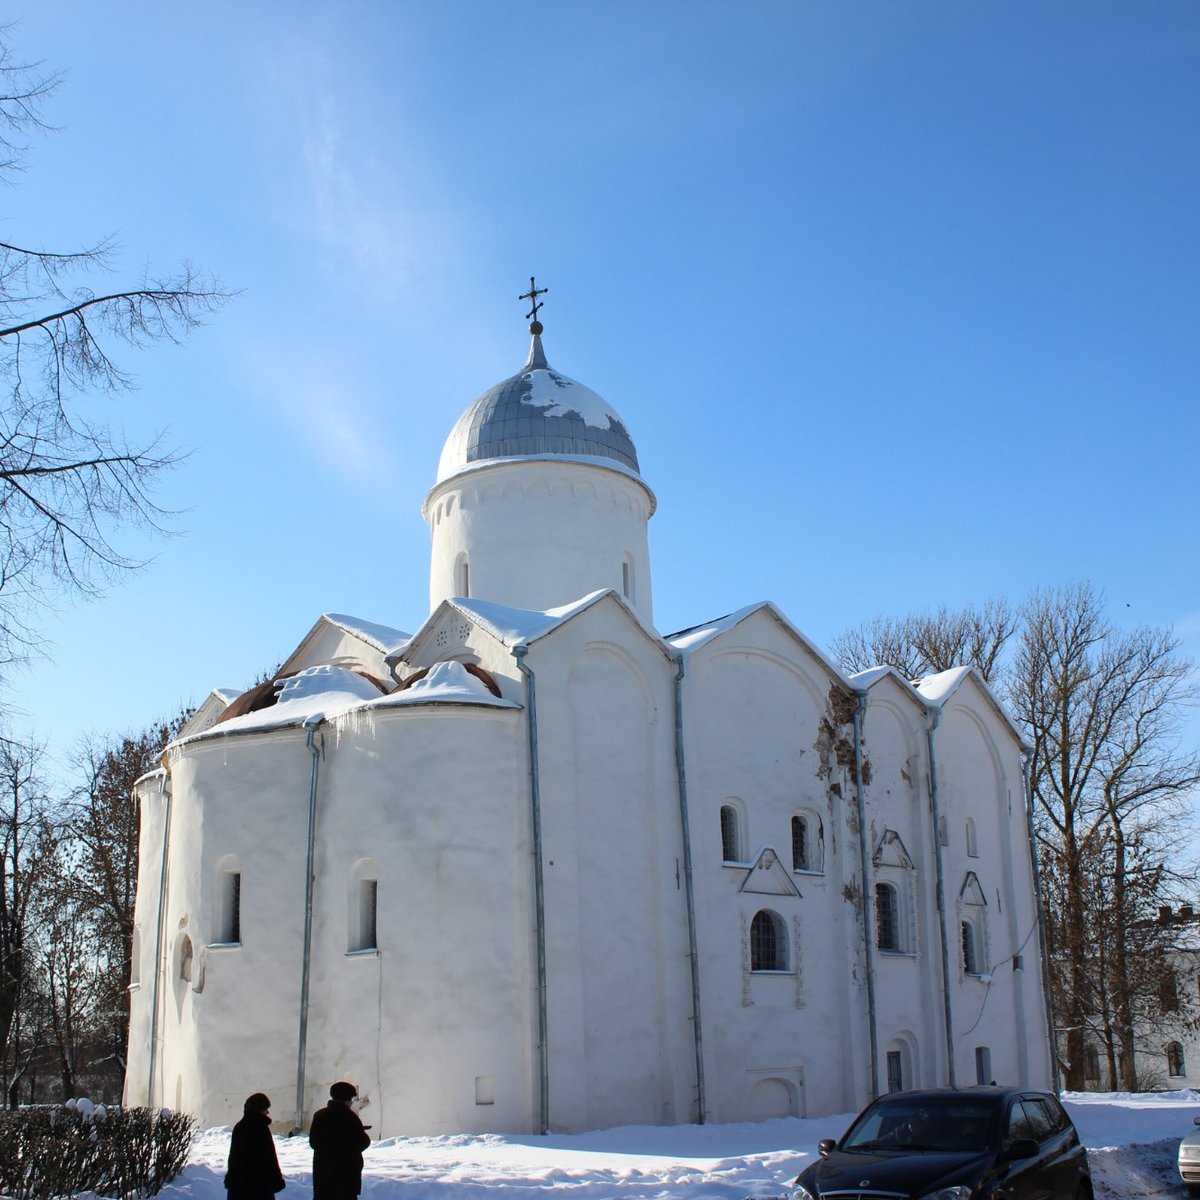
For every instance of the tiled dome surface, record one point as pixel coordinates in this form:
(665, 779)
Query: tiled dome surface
(538, 411)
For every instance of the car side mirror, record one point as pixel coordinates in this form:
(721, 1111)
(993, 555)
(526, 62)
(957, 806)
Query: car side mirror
(825, 1145)
(1196, 1120)
(1021, 1148)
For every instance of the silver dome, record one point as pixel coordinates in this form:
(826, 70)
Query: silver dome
(534, 413)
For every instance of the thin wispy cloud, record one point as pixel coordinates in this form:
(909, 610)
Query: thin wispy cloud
(356, 213)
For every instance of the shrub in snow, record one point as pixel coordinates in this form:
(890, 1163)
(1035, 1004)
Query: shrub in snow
(52, 1151)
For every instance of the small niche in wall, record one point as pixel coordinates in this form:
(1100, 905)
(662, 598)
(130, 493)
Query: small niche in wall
(485, 1089)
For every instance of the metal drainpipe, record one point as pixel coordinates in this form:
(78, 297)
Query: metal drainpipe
(1047, 995)
(868, 922)
(689, 891)
(165, 796)
(539, 894)
(936, 716)
(310, 726)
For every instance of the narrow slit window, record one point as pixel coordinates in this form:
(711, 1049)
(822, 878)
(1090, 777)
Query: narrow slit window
(729, 833)
(887, 917)
(368, 915)
(895, 1071)
(801, 858)
(983, 1065)
(970, 951)
(230, 930)
(1175, 1064)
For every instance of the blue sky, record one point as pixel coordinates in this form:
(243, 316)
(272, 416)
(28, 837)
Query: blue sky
(898, 300)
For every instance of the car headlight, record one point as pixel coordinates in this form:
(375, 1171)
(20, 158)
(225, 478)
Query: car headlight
(959, 1192)
(800, 1192)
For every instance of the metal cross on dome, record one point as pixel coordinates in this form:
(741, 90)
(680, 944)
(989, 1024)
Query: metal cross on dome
(532, 296)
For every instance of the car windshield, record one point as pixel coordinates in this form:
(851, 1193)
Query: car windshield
(953, 1124)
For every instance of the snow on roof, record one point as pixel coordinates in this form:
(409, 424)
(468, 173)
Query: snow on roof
(938, 688)
(691, 639)
(228, 695)
(872, 675)
(520, 626)
(319, 692)
(697, 635)
(382, 637)
(446, 683)
(863, 681)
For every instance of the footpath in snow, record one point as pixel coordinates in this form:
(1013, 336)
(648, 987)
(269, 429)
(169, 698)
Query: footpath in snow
(1131, 1141)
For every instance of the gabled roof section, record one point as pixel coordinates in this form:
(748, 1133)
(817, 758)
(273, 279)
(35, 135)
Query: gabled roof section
(940, 689)
(207, 715)
(890, 852)
(872, 677)
(308, 697)
(768, 876)
(340, 640)
(688, 641)
(513, 627)
(382, 637)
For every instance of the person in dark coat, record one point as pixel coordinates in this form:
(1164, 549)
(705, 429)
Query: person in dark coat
(253, 1164)
(338, 1139)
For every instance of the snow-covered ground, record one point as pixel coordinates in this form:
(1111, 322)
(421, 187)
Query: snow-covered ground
(1131, 1141)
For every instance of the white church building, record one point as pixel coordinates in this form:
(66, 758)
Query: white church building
(538, 866)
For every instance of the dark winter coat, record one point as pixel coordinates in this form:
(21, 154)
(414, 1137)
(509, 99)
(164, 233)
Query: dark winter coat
(338, 1139)
(253, 1165)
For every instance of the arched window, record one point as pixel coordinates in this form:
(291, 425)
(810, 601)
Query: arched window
(800, 844)
(970, 949)
(730, 850)
(462, 576)
(887, 917)
(899, 1059)
(1091, 1065)
(185, 958)
(364, 907)
(983, 1065)
(808, 842)
(972, 841)
(768, 942)
(229, 904)
(1176, 1067)
(627, 578)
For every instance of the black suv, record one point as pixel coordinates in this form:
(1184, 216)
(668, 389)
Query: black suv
(953, 1144)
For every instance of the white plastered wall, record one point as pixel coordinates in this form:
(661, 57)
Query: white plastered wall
(980, 777)
(447, 831)
(537, 534)
(619, 991)
(754, 702)
(908, 985)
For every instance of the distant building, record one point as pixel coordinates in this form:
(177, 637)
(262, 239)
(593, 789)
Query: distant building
(1166, 1049)
(568, 872)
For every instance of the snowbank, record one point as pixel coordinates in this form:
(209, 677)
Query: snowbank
(1131, 1141)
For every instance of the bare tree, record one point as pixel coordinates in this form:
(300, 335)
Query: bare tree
(1101, 711)
(28, 840)
(1107, 775)
(925, 643)
(67, 484)
(102, 819)
(72, 975)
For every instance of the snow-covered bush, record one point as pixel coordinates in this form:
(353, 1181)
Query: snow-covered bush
(62, 1151)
